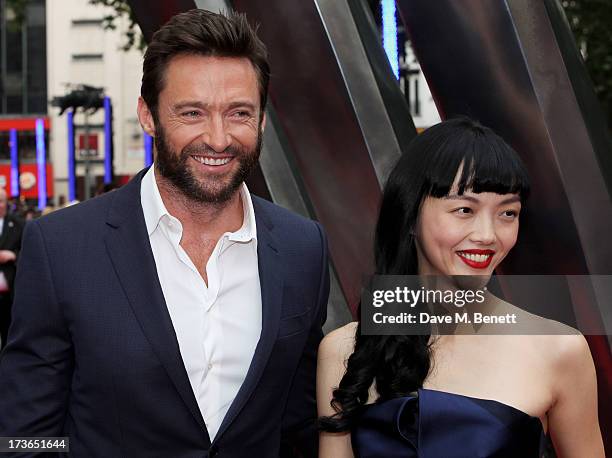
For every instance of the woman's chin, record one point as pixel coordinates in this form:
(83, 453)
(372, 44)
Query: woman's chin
(468, 278)
(472, 281)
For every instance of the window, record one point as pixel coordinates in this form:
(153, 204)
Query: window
(23, 60)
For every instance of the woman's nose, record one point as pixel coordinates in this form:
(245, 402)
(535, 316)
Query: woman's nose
(483, 231)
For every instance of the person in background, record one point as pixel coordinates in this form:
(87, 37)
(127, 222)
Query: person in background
(11, 228)
(30, 213)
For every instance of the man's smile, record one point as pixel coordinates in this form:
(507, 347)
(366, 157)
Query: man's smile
(213, 161)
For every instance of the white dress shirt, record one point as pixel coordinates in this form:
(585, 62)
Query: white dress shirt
(217, 325)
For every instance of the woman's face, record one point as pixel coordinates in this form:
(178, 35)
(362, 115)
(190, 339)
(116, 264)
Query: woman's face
(467, 234)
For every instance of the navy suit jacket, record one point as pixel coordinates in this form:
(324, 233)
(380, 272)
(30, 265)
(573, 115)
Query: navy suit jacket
(92, 353)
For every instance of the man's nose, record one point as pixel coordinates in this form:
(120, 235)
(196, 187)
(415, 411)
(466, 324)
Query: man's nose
(216, 135)
(483, 231)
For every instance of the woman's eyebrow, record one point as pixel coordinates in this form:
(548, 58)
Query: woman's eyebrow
(461, 197)
(509, 200)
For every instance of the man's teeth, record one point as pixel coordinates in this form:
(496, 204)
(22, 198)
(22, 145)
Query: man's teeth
(210, 161)
(475, 257)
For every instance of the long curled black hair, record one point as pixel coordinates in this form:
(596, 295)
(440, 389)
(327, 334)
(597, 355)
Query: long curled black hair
(398, 365)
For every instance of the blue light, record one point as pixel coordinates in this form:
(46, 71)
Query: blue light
(14, 163)
(148, 147)
(108, 141)
(71, 158)
(389, 27)
(42, 166)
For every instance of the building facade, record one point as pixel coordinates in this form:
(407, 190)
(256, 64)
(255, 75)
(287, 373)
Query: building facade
(80, 51)
(23, 95)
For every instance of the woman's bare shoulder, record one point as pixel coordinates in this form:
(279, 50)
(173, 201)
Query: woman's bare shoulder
(528, 323)
(556, 345)
(339, 343)
(571, 352)
(561, 346)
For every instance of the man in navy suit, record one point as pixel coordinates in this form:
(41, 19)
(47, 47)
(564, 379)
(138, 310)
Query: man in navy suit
(178, 316)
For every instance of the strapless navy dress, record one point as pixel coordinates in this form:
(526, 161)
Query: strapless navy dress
(436, 424)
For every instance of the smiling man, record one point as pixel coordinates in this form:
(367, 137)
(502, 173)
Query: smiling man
(179, 315)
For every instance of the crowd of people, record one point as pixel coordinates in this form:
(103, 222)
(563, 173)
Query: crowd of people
(27, 209)
(22, 209)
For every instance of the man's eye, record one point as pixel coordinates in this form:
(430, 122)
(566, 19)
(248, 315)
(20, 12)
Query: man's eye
(510, 214)
(242, 114)
(191, 114)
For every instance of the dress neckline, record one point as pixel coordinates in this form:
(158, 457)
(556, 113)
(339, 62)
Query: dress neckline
(439, 423)
(512, 408)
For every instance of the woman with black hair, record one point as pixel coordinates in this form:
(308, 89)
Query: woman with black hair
(451, 208)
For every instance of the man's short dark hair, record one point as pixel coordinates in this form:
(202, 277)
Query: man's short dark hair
(204, 33)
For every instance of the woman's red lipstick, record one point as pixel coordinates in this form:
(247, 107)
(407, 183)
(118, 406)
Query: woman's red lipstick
(478, 259)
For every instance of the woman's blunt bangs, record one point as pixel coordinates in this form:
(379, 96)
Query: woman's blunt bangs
(486, 161)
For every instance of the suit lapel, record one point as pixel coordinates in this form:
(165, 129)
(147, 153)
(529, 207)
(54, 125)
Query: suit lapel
(128, 246)
(271, 283)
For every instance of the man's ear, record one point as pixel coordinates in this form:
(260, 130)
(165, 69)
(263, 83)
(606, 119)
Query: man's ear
(262, 125)
(145, 117)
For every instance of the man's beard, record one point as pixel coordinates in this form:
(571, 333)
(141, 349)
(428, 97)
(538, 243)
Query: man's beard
(175, 168)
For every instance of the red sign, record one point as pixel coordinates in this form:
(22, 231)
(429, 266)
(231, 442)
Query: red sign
(28, 179)
(93, 142)
(22, 123)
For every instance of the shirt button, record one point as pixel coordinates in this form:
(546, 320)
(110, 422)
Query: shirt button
(210, 366)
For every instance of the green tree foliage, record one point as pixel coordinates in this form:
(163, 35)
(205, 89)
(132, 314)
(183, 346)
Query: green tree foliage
(18, 7)
(121, 9)
(591, 23)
